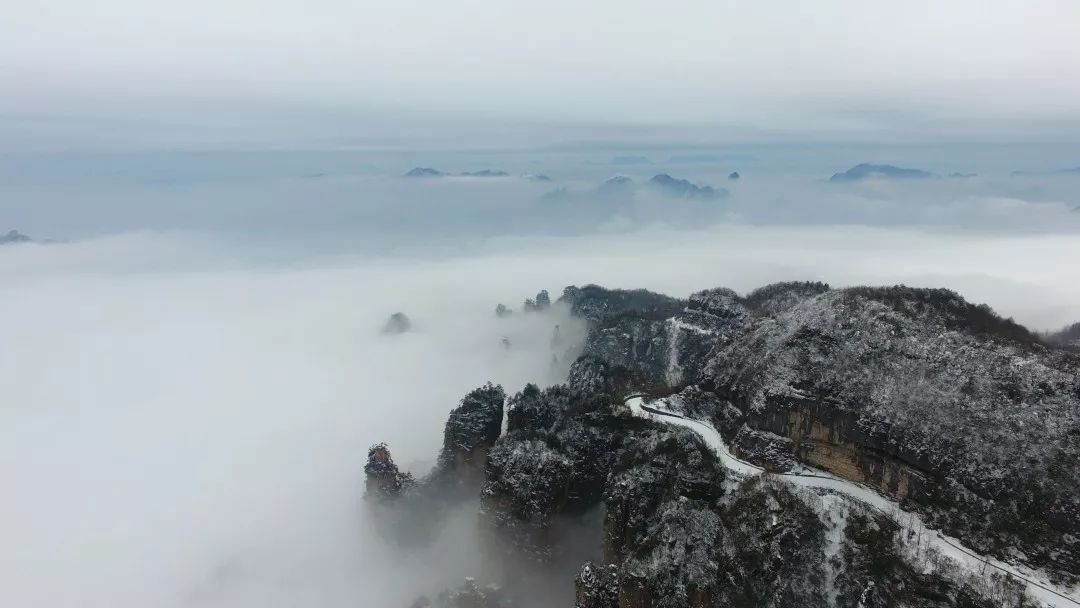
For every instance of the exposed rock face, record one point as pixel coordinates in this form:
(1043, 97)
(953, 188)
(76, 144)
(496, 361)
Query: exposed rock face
(662, 504)
(930, 398)
(398, 323)
(533, 477)
(627, 338)
(471, 430)
(650, 341)
(410, 511)
(674, 532)
(564, 456)
(383, 479)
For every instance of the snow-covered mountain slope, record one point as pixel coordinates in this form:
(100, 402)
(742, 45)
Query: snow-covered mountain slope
(796, 446)
(970, 563)
(964, 416)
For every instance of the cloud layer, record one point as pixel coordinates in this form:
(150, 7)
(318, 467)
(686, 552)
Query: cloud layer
(182, 431)
(259, 71)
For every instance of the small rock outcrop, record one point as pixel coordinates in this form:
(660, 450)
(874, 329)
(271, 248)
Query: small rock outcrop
(540, 303)
(734, 176)
(384, 481)
(398, 323)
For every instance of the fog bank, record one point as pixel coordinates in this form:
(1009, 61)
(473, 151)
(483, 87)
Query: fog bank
(186, 418)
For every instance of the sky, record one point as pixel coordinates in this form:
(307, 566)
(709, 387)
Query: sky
(273, 73)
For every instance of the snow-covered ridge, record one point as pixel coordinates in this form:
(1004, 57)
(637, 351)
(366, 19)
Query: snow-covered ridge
(1039, 586)
(965, 416)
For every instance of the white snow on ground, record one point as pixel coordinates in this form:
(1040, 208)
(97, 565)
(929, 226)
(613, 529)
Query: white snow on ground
(674, 370)
(1039, 586)
(676, 325)
(704, 429)
(832, 509)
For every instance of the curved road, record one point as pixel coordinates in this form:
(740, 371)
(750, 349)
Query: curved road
(1038, 587)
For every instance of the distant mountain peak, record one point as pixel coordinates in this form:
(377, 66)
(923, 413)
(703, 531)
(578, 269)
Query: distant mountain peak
(424, 172)
(870, 171)
(682, 188)
(14, 236)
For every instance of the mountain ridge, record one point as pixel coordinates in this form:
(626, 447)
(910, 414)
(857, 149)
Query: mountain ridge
(865, 383)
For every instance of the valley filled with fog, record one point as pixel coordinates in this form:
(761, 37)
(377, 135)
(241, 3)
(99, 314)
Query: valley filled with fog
(188, 405)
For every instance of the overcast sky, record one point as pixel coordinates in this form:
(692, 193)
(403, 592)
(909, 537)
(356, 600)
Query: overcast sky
(325, 70)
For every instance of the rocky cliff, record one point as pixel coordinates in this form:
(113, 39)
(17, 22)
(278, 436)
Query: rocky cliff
(964, 417)
(968, 417)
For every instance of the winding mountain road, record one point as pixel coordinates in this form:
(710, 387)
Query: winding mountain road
(1039, 587)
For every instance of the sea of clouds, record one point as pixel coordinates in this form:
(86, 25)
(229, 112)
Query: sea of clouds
(186, 417)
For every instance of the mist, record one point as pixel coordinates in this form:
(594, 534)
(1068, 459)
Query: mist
(211, 72)
(340, 200)
(179, 436)
(187, 416)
